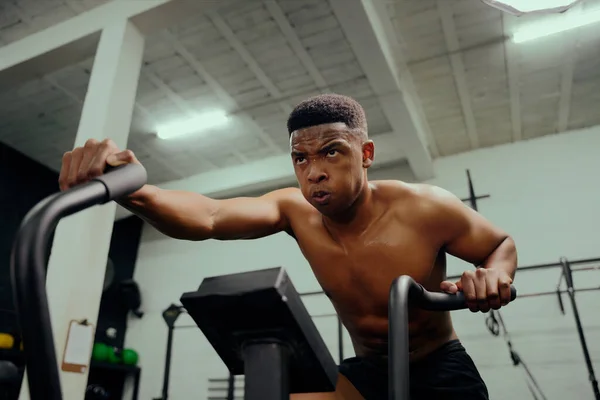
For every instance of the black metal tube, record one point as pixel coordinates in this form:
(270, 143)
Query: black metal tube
(584, 261)
(340, 340)
(568, 273)
(472, 197)
(28, 263)
(546, 266)
(165, 389)
(523, 268)
(266, 371)
(28, 270)
(405, 292)
(402, 289)
(231, 387)
(555, 292)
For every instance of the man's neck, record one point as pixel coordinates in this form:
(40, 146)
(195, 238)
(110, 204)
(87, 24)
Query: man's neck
(358, 217)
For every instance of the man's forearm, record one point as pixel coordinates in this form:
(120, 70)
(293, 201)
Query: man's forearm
(178, 214)
(504, 257)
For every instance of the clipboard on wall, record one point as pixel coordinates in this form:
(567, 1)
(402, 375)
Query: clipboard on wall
(80, 340)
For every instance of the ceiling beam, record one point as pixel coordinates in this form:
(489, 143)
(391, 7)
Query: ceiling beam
(76, 99)
(512, 66)
(151, 121)
(76, 39)
(226, 99)
(377, 51)
(250, 61)
(566, 88)
(76, 7)
(48, 78)
(567, 71)
(407, 83)
(458, 68)
(292, 38)
(183, 106)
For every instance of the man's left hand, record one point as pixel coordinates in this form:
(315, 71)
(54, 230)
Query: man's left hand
(484, 288)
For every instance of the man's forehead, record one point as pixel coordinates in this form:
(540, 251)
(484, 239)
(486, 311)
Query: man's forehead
(320, 133)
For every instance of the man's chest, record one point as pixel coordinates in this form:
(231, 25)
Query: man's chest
(365, 265)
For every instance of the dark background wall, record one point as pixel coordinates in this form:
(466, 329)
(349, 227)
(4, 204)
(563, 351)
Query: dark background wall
(23, 183)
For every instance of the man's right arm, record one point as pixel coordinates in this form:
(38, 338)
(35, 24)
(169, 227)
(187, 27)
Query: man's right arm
(192, 216)
(180, 214)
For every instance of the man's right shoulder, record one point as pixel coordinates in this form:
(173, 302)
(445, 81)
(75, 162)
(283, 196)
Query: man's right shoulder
(293, 207)
(292, 203)
(290, 199)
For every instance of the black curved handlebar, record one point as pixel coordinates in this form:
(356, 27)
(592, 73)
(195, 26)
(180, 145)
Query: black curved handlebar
(28, 269)
(404, 292)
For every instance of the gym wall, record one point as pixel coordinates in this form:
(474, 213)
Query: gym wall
(543, 192)
(24, 183)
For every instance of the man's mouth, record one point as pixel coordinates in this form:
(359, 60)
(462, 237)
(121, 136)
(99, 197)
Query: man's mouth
(321, 196)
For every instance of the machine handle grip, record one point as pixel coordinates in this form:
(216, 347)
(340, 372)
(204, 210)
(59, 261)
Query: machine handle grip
(435, 301)
(123, 180)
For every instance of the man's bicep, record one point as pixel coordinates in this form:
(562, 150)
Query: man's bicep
(250, 217)
(468, 235)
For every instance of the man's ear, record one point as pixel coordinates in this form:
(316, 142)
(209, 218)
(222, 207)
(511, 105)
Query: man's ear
(368, 153)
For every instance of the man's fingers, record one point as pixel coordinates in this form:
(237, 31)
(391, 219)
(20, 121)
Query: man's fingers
(103, 152)
(485, 289)
(76, 157)
(493, 293)
(504, 290)
(481, 289)
(468, 288)
(64, 171)
(88, 154)
(448, 287)
(90, 160)
(124, 157)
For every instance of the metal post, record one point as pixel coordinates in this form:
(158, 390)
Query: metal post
(165, 390)
(568, 273)
(398, 341)
(170, 315)
(266, 370)
(231, 387)
(340, 340)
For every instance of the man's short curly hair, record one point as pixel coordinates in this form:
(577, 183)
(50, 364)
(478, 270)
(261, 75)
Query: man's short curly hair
(326, 109)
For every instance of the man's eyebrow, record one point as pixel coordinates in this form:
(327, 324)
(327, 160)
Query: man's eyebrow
(334, 143)
(327, 146)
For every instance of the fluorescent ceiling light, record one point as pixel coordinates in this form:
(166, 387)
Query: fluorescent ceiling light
(520, 7)
(554, 26)
(195, 124)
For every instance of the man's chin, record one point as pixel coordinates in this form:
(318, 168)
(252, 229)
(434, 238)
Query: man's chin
(321, 206)
(328, 210)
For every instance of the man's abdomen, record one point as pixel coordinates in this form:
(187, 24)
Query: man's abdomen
(427, 332)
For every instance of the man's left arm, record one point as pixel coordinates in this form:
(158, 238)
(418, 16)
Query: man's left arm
(467, 235)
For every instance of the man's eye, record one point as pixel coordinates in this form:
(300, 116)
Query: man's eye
(332, 153)
(300, 160)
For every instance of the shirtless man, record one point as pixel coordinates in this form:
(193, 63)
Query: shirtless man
(357, 237)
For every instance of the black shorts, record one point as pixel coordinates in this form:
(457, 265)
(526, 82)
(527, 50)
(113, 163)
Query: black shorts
(448, 373)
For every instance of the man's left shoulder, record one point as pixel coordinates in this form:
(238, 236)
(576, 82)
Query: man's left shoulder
(423, 193)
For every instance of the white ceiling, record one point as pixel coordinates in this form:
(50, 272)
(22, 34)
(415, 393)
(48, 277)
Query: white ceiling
(471, 86)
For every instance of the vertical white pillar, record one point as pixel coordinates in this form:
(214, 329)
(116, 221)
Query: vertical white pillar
(81, 243)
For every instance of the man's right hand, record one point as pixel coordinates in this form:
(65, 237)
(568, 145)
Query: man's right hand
(87, 162)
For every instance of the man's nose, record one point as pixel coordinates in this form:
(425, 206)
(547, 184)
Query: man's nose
(316, 175)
